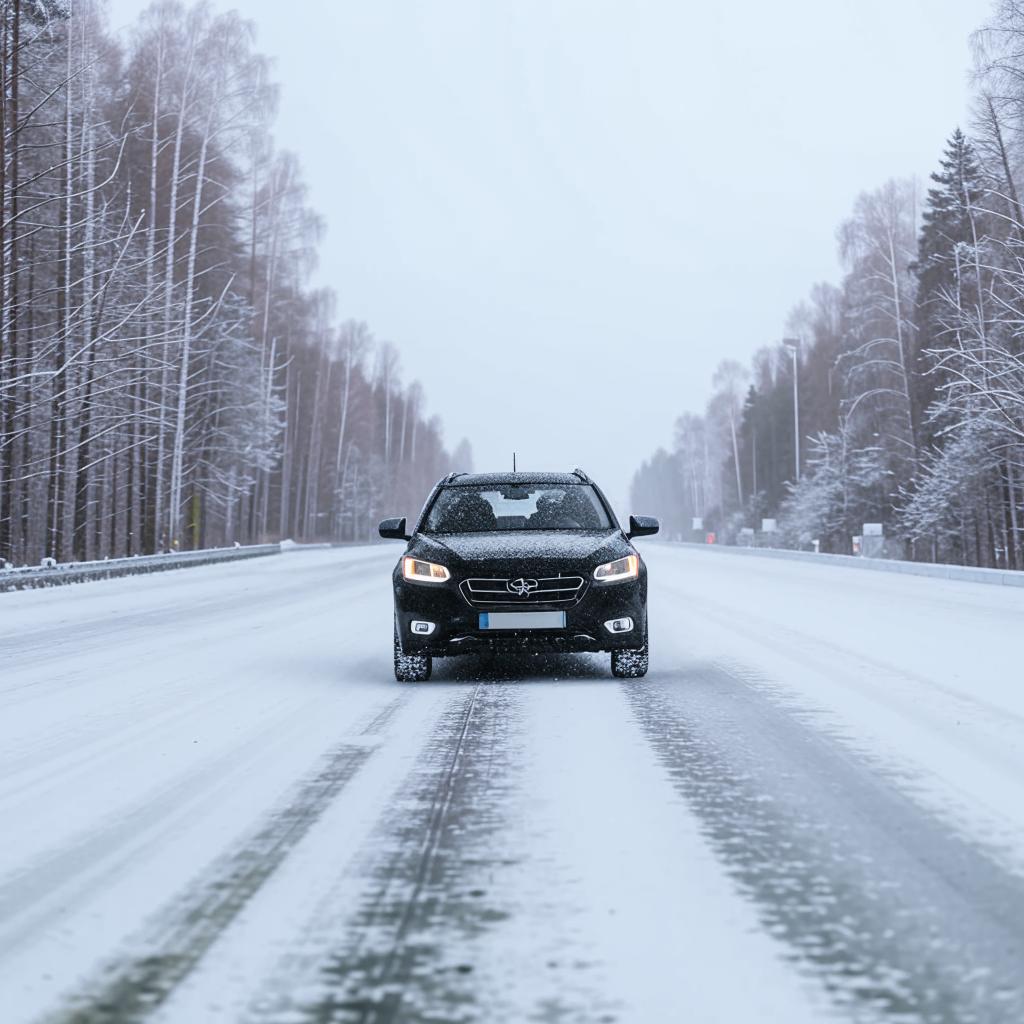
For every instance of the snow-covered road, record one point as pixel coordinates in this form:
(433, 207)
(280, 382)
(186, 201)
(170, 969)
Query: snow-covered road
(217, 805)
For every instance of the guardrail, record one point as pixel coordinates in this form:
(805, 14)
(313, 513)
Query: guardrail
(940, 570)
(30, 577)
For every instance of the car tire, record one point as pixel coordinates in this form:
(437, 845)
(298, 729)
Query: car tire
(410, 668)
(631, 663)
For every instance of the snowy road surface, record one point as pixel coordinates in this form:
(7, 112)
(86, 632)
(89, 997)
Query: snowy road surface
(217, 805)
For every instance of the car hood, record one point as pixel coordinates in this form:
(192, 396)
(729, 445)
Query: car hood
(526, 547)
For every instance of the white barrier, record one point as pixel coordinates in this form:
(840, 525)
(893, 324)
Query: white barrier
(31, 577)
(971, 574)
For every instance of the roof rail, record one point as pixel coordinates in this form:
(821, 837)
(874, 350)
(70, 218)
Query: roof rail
(583, 476)
(451, 476)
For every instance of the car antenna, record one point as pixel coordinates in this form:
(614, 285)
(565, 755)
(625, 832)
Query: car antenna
(513, 462)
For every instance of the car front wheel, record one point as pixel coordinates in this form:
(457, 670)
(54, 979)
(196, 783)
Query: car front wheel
(631, 664)
(411, 668)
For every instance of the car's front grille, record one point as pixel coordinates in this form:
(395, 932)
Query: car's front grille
(520, 590)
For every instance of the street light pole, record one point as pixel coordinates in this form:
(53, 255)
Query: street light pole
(793, 344)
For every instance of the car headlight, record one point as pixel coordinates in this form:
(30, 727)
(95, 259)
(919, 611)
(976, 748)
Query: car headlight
(627, 568)
(418, 571)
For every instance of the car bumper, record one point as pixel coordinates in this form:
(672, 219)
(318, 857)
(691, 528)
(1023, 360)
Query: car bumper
(457, 623)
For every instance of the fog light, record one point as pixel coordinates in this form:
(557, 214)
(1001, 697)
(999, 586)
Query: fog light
(423, 628)
(623, 625)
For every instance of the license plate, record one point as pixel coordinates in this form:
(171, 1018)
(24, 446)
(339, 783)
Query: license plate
(522, 620)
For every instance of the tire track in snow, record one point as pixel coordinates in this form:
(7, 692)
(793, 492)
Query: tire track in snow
(133, 988)
(834, 659)
(407, 954)
(900, 917)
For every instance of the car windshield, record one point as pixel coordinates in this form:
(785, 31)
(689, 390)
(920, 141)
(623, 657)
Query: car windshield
(517, 507)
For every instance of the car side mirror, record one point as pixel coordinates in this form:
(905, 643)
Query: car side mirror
(642, 526)
(393, 529)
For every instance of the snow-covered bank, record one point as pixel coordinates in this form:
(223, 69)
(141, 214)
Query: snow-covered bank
(935, 570)
(53, 574)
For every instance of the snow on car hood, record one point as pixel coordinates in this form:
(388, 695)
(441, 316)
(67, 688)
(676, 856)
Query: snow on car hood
(528, 545)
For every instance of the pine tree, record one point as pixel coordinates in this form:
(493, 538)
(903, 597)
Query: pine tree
(947, 264)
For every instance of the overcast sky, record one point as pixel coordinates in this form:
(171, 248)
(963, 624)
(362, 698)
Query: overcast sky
(566, 212)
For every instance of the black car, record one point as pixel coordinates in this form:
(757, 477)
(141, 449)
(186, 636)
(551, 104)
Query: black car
(519, 561)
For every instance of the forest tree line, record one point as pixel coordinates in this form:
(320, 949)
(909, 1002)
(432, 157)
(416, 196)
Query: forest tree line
(909, 372)
(167, 378)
